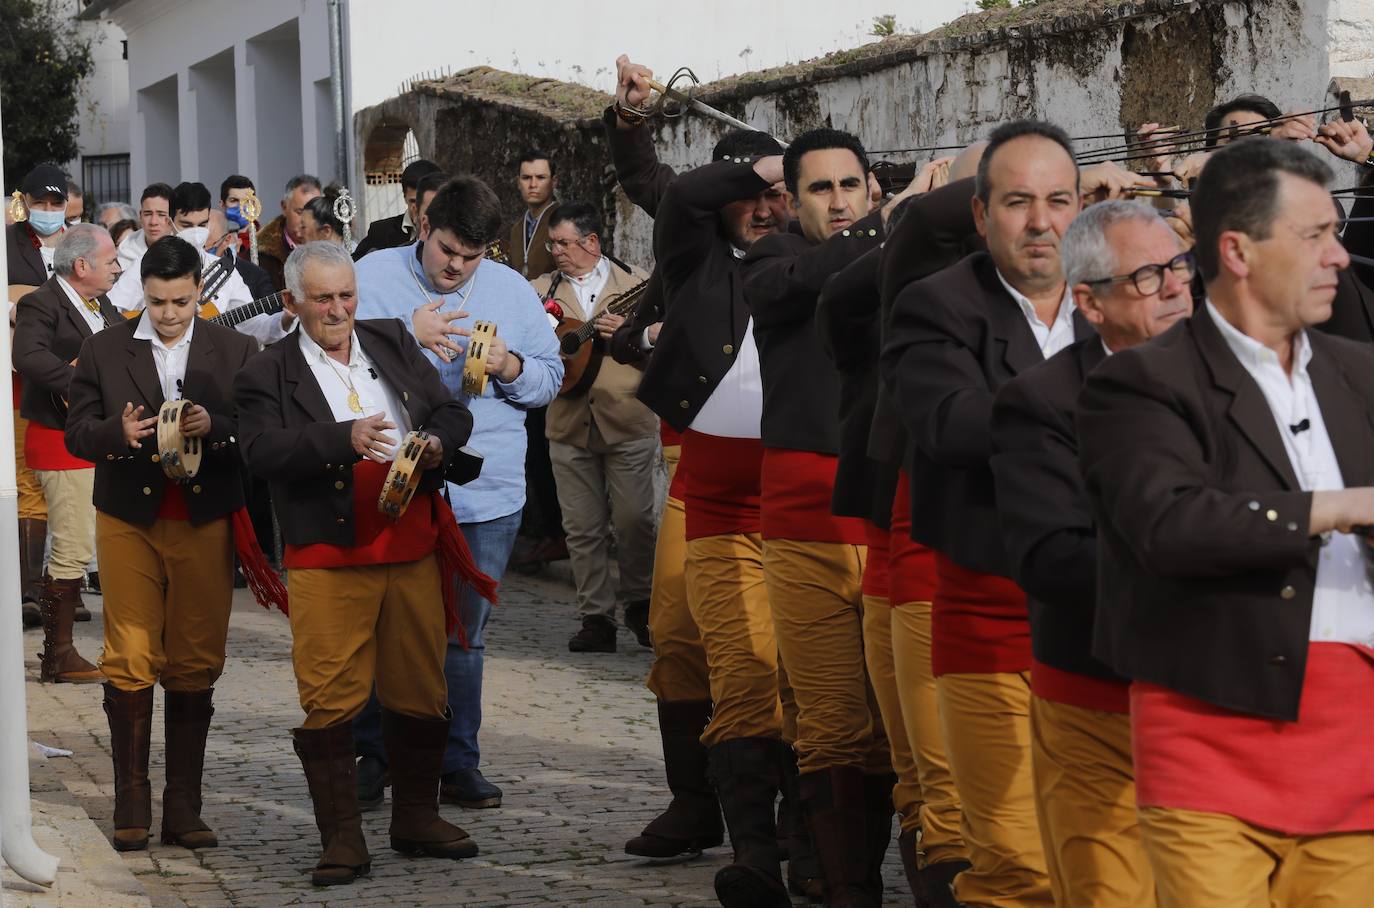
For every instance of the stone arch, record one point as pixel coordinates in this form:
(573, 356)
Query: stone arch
(384, 156)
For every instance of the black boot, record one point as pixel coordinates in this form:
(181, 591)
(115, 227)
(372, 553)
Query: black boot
(327, 757)
(835, 813)
(597, 636)
(911, 865)
(33, 537)
(938, 881)
(415, 753)
(692, 821)
(637, 620)
(745, 774)
(803, 870)
(131, 725)
(878, 811)
(187, 717)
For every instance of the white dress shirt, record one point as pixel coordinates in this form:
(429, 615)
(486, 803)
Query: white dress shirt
(1051, 338)
(49, 253)
(735, 407)
(94, 320)
(170, 361)
(374, 392)
(588, 287)
(1343, 602)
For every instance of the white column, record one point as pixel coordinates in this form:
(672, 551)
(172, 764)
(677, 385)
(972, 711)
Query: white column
(188, 134)
(245, 110)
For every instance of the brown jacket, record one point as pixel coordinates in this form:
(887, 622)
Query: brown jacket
(272, 251)
(611, 401)
(537, 260)
(48, 334)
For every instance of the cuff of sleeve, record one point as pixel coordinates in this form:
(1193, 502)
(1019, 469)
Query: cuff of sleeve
(645, 345)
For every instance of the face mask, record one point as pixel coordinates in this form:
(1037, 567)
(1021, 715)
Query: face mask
(48, 222)
(235, 216)
(196, 236)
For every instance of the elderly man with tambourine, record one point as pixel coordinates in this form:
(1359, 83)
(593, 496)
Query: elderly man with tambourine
(151, 408)
(347, 420)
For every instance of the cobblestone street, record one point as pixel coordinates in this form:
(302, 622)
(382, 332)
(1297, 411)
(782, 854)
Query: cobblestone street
(570, 738)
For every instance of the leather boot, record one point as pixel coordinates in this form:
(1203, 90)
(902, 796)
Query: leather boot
(415, 753)
(331, 773)
(186, 715)
(33, 537)
(59, 661)
(131, 723)
(692, 821)
(803, 870)
(745, 773)
(833, 800)
(906, 847)
(938, 881)
(878, 811)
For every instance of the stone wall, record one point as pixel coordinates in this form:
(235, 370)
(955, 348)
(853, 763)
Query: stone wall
(1094, 67)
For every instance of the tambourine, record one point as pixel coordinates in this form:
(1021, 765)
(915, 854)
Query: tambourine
(179, 456)
(404, 476)
(475, 367)
(18, 210)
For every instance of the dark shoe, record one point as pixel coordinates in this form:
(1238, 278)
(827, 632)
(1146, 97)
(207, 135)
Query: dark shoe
(373, 780)
(907, 848)
(59, 661)
(31, 615)
(878, 812)
(692, 821)
(637, 620)
(803, 870)
(187, 717)
(130, 714)
(468, 788)
(938, 880)
(836, 814)
(81, 613)
(330, 771)
(93, 582)
(744, 771)
(33, 539)
(597, 636)
(415, 752)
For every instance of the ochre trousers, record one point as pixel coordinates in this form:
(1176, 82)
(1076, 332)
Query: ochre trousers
(1210, 859)
(352, 626)
(679, 669)
(31, 503)
(986, 723)
(1085, 796)
(882, 677)
(815, 592)
(941, 814)
(726, 593)
(71, 521)
(168, 590)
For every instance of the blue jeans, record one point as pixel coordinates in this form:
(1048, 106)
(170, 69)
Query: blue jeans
(491, 542)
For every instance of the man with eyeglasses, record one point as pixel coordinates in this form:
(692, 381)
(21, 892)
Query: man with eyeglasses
(154, 222)
(603, 442)
(1130, 279)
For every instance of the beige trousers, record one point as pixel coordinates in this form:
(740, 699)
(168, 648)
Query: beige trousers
(71, 520)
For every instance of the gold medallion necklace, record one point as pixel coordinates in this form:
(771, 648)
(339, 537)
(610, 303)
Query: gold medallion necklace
(355, 403)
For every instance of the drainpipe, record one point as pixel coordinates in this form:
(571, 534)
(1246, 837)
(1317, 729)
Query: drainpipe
(336, 83)
(17, 846)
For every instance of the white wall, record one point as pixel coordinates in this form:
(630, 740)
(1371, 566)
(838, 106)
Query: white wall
(1352, 38)
(578, 40)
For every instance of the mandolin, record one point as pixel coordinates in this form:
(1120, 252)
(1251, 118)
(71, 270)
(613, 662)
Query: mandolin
(582, 360)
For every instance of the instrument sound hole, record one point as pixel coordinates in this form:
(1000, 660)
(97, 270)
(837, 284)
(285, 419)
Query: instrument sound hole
(569, 344)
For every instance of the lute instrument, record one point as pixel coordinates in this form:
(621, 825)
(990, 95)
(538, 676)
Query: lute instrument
(582, 360)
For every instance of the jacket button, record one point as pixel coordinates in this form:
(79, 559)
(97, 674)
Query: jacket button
(728, 349)
(1271, 515)
(339, 521)
(231, 439)
(195, 489)
(1278, 659)
(147, 491)
(1254, 505)
(1287, 592)
(702, 379)
(405, 395)
(107, 456)
(684, 404)
(872, 231)
(339, 485)
(156, 458)
(846, 233)
(1292, 526)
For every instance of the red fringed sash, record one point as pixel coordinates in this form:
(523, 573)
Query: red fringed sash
(262, 580)
(456, 568)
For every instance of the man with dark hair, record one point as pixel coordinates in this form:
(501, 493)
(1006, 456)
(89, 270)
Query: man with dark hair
(401, 229)
(283, 233)
(602, 441)
(167, 548)
(435, 287)
(1131, 279)
(76, 203)
(1227, 467)
(954, 339)
(537, 179)
(51, 324)
(155, 222)
(1234, 115)
(232, 192)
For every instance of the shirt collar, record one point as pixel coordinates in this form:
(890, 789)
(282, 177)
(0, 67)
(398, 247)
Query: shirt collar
(70, 291)
(147, 331)
(1253, 354)
(407, 225)
(314, 352)
(1066, 307)
(600, 272)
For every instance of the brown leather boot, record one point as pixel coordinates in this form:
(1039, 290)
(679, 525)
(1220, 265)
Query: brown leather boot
(692, 821)
(186, 715)
(332, 775)
(906, 847)
(415, 753)
(878, 811)
(834, 802)
(131, 724)
(59, 661)
(803, 869)
(745, 773)
(33, 537)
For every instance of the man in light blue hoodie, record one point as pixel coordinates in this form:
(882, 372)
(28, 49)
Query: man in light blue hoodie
(438, 287)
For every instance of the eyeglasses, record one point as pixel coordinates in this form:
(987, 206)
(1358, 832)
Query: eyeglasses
(1149, 279)
(556, 245)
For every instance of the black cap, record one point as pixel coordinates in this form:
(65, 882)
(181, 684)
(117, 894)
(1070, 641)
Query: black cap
(45, 180)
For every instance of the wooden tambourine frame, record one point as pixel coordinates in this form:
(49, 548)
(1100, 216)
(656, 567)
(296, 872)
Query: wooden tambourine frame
(179, 456)
(475, 367)
(404, 476)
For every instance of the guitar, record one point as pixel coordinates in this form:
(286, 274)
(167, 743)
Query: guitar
(582, 360)
(268, 305)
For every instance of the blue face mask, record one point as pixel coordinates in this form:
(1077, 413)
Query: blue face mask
(48, 222)
(235, 216)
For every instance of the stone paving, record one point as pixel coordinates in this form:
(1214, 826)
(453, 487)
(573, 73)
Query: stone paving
(570, 738)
